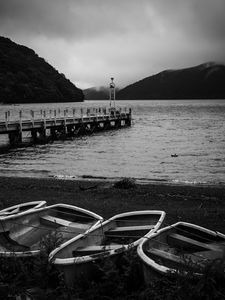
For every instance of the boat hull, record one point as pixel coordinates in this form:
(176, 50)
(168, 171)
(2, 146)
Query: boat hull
(179, 248)
(20, 208)
(27, 233)
(112, 238)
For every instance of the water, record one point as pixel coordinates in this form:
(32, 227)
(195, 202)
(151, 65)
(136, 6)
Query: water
(192, 129)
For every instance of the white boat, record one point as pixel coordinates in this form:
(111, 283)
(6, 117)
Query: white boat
(120, 233)
(181, 248)
(21, 207)
(25, 233)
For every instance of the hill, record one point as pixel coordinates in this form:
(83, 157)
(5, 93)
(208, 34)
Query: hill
(205, 81)
(27, 78)
(97, 93)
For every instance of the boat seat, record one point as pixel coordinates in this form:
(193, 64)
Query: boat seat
(54, 221)
(95, 249)
(128, 229)
(165, 255)
(181, 241)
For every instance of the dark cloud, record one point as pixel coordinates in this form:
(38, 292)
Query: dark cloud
(90, 40)
(72, 19)
(89, 18)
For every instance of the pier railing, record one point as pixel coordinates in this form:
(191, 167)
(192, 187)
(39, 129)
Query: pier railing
(40, 114)
(45, 124)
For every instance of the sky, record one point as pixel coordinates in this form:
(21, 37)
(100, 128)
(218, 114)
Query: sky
(91, 41)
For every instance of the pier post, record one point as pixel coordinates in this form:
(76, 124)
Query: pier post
(53, 133)
(64, 125)
(6, 120)
(42, 134)
(34, 135)
(32, 117)
(74, 111)
(15, 138)
(128, 119)
(44, 121)
(55, 116)
(21, 124)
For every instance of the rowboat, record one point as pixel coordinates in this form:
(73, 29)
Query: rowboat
(26, 233)
(114, 236)
(181, 248)
(21, 207)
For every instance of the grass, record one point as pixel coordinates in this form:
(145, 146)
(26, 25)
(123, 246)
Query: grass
(203, 206)
(120, 279)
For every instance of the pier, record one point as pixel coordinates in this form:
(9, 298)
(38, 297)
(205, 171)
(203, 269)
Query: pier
(49, 125)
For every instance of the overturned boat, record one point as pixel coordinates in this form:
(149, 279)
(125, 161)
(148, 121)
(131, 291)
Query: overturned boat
(180, 248)
(117, 235)
(26, 233)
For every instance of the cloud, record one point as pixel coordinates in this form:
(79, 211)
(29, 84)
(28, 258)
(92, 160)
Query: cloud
(72, 19)
(92, 40)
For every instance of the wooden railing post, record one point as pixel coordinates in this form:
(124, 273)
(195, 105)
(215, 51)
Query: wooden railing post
(65, 127)
(44, 123)
(32, 117)
(6, 120)
(55, 115)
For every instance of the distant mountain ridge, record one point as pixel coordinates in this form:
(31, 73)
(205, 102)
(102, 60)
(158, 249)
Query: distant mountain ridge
(96, 93)
(27, 78)
(205, 81)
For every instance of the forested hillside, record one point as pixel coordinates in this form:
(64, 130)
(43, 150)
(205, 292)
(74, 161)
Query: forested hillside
(26, 78)
(206, 81)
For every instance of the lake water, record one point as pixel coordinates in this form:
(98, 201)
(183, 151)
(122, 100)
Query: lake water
(192, 129)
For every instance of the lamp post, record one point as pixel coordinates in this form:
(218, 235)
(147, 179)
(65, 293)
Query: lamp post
(112, 93)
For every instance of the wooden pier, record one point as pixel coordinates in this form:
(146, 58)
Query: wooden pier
(50, 125)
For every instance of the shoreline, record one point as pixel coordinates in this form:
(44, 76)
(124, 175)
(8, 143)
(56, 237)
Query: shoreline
(139, 181)
(201, 205)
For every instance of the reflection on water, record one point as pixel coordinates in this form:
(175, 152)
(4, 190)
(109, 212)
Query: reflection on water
(194, 130)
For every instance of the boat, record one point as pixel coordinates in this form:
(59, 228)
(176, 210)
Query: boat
(25, 234)
(179, 248)
(21, 207)
(120, 233)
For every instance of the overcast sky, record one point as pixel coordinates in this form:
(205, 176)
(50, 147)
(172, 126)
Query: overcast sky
(92, 40)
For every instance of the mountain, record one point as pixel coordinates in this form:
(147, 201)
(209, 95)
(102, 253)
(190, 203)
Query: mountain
(205, 81)
(97, 93)
(27, 78)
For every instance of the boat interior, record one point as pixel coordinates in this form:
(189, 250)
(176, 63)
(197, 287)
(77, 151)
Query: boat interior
(184, 246)
(27, 232)
(111, 236)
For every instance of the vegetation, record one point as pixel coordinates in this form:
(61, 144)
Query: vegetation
(122, 279)
(205, 81)
(125, 183)
(202, 205)
(25, 77)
